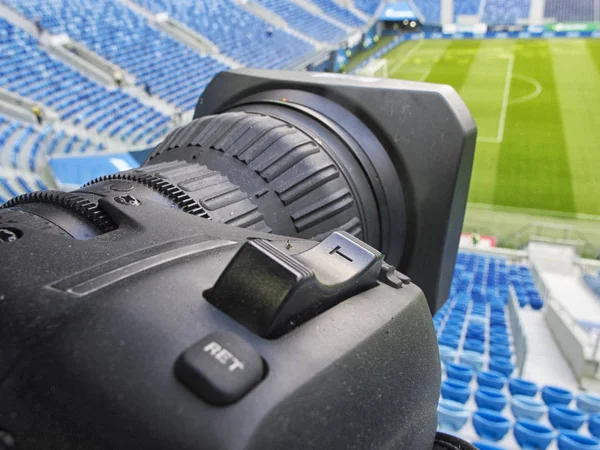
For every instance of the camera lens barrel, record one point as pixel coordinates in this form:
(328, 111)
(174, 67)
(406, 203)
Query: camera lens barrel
(273, 169)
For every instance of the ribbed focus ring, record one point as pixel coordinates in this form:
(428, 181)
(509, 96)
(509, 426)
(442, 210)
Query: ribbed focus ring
(251, 166)
(76, 203)
(160, 185)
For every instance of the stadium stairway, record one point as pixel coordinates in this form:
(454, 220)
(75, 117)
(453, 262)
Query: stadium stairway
(183, 34)
(174, 72)
(239, 34)
(31, 72)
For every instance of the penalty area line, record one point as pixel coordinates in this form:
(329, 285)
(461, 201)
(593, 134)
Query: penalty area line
(505, 97)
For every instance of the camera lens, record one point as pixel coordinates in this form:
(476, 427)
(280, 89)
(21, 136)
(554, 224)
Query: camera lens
(284, 168)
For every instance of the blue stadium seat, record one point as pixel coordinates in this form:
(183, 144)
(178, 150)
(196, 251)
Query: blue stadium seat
(23, 146)
(530, 434)
(466, 7)
(452, 415)
(430, 10)
(571, 10)
(174, 72)
(4, 184)
(304, 21)
(30, 71)
(368, 6)
(17, 184)
(502, 12)
(239, 34)
(335, 11)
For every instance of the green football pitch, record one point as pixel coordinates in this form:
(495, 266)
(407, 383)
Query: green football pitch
(537, 108)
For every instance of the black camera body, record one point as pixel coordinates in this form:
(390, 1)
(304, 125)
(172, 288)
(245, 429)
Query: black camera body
(181, 305)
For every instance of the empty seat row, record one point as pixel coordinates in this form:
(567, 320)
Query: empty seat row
(332, 9)
(25, 146)
(429, 10)
(238, 33)
(125, 38)
(28, 70)
(16, 184)
(466, 7)
(502, 12)
(368, 6)
(304, 21)
(572, 10)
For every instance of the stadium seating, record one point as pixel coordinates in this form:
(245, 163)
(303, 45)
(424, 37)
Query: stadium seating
(303, 21)
(368, 6)
(430, 10)
(572, 10)
(593, 282)
(501, 12)
(332, 9)
(239, 34)
(174, 72)
(24, 146)
(466, 7)
(480, 380)
(17, 184)
(31, 72)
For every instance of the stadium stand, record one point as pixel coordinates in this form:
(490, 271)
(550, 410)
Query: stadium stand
(466, 7)
(572, 10)
(500, 12)
(332, 9)
(174, 72)
(11, 186)
(368, 6)
(25, 146)
(480, 379)
(239, 34)
(302, 20)
(31, 72)
(430, 10)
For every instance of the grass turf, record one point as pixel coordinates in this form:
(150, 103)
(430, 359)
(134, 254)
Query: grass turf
(537, 107)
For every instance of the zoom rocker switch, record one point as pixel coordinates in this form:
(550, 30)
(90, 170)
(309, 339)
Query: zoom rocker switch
(271, 292)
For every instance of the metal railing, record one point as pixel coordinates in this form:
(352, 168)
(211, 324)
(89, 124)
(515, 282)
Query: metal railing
(579, 342)
(519, 338)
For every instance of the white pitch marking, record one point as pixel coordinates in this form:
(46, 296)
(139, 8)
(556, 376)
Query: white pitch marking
(526, 98)
(425, 75)
(509, 73)
(408, 55)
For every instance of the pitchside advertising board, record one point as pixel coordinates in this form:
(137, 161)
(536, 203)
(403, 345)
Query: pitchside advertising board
(483, 31)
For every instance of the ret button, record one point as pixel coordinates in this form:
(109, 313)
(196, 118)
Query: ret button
(221, 368)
